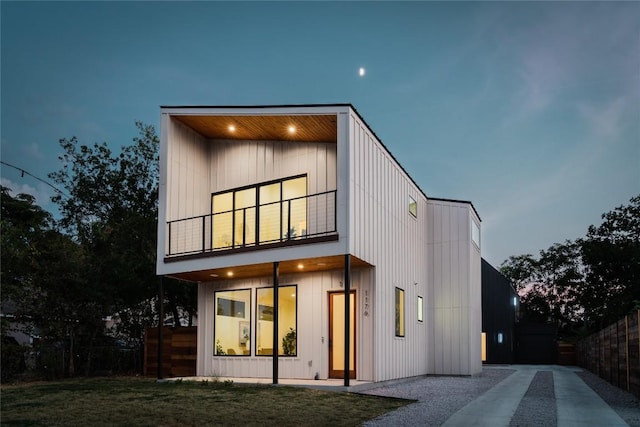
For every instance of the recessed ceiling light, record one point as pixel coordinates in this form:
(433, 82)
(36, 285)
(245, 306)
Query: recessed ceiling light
(213, 275)
(300, 266)
(232, 128)
(229, 273)
(292, 129)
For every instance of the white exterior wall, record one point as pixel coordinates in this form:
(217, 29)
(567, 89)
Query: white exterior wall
(386, 235)
(312, 328)
(239, 163)
(193, 168)
(454, 299)
(184, 176)
(430, 256)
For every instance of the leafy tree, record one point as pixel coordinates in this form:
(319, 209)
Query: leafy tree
(22, 223)
(112, 211)
(592, 281)
(611, 254)
(547, 284)
(43, 277)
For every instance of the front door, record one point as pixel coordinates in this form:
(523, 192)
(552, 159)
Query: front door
(337, 334)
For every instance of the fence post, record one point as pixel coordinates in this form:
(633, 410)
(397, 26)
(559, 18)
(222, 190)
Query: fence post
(626, 347)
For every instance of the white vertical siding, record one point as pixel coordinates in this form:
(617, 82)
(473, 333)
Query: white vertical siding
(187, 173)
(454, 304)
(386, 235)
(312, 328)
(239, 163)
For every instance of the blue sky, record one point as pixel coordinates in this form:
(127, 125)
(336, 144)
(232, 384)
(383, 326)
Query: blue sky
(531, 110)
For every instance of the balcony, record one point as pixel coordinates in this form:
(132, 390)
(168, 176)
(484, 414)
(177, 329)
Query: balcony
(299, 220)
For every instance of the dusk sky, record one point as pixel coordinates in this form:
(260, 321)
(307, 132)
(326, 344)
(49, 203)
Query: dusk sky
(531, 110)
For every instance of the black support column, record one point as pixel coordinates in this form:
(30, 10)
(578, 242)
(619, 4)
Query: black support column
(276, 278)
(347, 317)
(160, 323)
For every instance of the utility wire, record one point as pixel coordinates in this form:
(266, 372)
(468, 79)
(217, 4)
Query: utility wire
(33, 176)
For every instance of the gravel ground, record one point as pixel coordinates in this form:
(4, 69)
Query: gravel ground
(440, 397)
(538, 405)
(624, 403)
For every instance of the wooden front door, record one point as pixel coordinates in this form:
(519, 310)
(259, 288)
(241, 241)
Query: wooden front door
(337, 335)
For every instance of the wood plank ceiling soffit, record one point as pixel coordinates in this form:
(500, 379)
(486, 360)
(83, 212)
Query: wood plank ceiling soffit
(305, 128)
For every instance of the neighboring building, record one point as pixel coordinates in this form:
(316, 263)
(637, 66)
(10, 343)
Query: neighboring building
(500, 304)
(308, 198)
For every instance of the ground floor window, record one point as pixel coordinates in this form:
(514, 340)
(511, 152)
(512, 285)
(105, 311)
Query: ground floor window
(232, 332)
(399, 312)
(287, 321)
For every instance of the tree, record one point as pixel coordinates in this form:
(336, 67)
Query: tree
(611, 254)
(112, 212)
(43, 277)
(22, 223)
(547, 284)
(592, 281)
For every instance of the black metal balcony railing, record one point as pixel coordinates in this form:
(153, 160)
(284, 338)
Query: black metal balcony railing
(283, 221)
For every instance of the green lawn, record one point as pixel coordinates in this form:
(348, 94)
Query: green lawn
(145, 402)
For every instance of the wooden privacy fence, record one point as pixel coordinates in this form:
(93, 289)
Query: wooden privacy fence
(614, 353)
(178, 351)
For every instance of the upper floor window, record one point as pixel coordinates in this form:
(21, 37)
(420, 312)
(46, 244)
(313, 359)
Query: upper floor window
(475, 233)
(413, 207)
(266, 212)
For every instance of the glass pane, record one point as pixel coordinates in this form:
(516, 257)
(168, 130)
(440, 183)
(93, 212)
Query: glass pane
(294, 212)
(399, 312)
(232, 333)
(475, 233)
(287, 317)
(245, 213)
(293, 188)
(413, 207)
(269, 212)
(338, 331)
(420, 309)
(222, 220)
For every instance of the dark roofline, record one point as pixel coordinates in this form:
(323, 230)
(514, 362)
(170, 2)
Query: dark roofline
(457, 201)
(513, 287)
(332, 105)
(259, 106)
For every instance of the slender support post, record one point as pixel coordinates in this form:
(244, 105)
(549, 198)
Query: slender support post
(160, 322)
(244, 227)
(204, 231)
(276, 278)
(347, 318)
(289, 221)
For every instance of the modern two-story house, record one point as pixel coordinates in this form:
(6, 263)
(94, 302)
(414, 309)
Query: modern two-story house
(315, 253)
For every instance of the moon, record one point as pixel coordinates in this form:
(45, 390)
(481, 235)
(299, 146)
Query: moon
(361, 71)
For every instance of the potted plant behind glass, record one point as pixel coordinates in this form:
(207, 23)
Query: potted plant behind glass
(289, 343)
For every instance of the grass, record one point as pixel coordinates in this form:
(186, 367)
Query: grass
(145, 402)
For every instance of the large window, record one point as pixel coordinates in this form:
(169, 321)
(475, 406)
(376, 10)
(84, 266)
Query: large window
(287, 321)
(232, 332)
(268, 212)
(399, 312)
